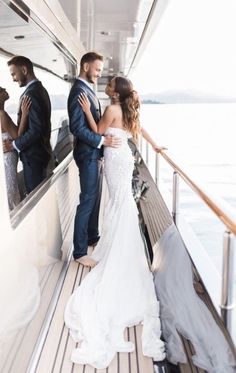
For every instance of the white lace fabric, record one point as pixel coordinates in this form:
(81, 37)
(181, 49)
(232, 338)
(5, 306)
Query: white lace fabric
(119, 291)
(10, 163)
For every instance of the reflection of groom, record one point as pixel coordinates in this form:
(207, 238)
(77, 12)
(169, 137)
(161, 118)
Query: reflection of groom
(34, 144)
(87, 155)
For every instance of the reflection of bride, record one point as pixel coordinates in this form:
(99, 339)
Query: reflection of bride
(119, 291)
(10, 132)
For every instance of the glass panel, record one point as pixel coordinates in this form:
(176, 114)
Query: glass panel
(61, 138)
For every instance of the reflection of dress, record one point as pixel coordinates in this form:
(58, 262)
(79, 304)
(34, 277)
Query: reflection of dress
(10, 162)
(119, 291)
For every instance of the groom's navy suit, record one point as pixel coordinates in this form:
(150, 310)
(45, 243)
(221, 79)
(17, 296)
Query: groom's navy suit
(87, 156)
(34, 143)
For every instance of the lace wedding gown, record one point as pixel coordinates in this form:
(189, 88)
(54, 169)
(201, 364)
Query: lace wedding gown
(10, 163)
(119, 291)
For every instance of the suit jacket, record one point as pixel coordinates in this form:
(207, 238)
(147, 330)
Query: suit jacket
(86, 141)
(34, 143)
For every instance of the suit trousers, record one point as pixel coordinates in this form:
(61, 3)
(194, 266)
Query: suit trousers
(87, 213)
(34, 174)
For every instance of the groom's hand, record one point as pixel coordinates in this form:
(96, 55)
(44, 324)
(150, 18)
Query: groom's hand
(112, 141)
(7, 146)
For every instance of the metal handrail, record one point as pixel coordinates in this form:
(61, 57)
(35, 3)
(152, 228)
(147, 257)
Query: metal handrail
(229, 222)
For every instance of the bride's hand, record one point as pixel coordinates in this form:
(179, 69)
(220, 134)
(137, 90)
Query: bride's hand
(158, 149)
(25, 105)
(84, 102)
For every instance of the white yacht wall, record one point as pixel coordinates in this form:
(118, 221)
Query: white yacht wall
(34, 242)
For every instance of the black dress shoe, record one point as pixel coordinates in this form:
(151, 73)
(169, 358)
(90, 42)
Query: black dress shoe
(93, 241)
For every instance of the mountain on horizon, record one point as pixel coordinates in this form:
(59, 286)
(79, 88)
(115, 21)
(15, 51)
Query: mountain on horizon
(58, 102)
(185, 97)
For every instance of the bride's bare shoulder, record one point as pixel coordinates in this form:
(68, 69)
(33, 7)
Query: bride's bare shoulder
(113, 114)
(113, 107)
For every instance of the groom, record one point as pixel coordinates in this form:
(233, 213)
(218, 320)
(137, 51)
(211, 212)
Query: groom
(88, 152)
(34, 144)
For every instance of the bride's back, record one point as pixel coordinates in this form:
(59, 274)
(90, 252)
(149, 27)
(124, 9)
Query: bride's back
(117, 115)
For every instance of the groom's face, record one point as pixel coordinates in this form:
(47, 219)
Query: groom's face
(19, 74)
(93, 71)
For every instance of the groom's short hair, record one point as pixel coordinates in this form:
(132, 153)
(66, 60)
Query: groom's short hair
(90, 57)
(21, 61)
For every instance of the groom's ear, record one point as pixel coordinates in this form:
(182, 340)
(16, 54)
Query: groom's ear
(86, 66)
(24, 70)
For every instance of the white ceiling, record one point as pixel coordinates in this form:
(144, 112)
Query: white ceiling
(111, 27)
(19, 35)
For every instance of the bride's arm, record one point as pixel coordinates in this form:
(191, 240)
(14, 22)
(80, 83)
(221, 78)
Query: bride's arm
(6, 122)
(148, 138)
(105, 120)
(85, 104)
(9, 126)
(25, 105)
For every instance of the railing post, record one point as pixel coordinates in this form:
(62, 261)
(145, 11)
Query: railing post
(147, 153)
(227, 295)
(157, 168)
(175, 202)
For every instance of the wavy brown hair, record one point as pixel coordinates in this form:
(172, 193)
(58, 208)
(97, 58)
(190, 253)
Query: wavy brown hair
(130, 104)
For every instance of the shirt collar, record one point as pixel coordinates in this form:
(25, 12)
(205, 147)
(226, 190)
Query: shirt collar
(31, 82)
(85, 82)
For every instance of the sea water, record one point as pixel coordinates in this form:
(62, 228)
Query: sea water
(201, 140)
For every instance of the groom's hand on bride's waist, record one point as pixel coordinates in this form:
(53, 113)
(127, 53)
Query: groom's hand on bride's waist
(7, 146)
(112, 141)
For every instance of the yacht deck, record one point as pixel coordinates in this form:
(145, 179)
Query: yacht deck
(55, 355)
(44, 345)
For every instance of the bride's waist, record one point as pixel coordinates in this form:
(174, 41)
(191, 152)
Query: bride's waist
(123, 147)
(6, 136)
(117, 151)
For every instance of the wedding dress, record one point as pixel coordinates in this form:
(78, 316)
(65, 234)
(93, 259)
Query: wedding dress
(10, 163)
(119, 291)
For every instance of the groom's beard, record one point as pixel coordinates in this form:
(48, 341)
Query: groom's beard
(22, 81)
(91, 78)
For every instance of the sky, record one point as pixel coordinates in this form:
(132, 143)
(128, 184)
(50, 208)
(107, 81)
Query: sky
(193, 48)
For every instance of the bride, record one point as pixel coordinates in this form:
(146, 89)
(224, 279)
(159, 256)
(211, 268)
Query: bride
(10, 132)
(119, 291)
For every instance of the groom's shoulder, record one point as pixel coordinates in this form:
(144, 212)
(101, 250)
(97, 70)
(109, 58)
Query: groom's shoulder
(78, 87)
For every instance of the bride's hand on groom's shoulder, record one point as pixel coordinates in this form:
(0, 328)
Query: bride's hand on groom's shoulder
(84, 102)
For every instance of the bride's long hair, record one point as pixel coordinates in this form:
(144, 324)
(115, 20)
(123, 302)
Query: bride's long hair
(130, 104)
